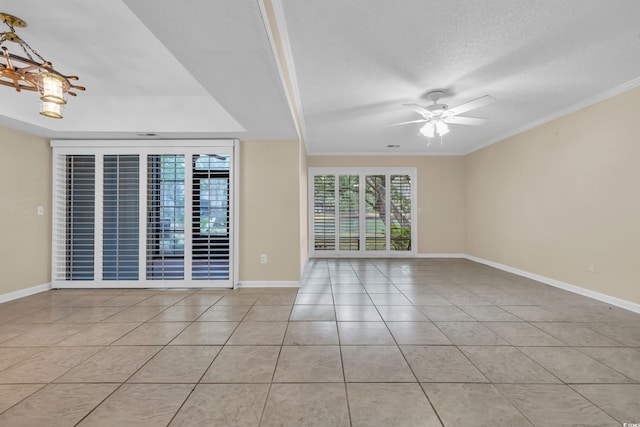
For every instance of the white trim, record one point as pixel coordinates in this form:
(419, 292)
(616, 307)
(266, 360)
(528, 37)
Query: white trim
(135, 144)
(285, 43)
(560, 113)
(269, 284)
(292, 101)
(25, 292)
(385, 153)
(618, 302)
(440, 255)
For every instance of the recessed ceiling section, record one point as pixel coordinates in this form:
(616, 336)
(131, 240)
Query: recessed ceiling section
(357, 62)
(135, 83)
(225, 45)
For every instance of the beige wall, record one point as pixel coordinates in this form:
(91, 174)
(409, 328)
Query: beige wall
(25, 184)
(440, 195)
(269, 210)
(563, 195)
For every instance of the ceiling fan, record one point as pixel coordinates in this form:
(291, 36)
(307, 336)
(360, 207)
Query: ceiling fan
(437, 116)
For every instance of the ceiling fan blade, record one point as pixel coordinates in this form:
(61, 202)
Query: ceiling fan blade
(419, 109)
(459, 120)
(407, 123)
(471, 105)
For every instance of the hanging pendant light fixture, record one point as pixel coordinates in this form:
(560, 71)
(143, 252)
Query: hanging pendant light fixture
(32, 74)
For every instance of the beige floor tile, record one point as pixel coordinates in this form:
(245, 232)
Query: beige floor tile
(46, 365)
(224, 313)
(401, 314)
(307, 364)
(571, 366)
(47, 315)
(507, 365)
(309, 405)
(313, 312)
(489, 313)
(200, 299)
(239, 299)
(445, 313)
(626, 333)
(350, 289)
(12, 330)
(470, 333)
(10, 394)
(243, 364)
(125, 300)
(139, 405)
(554, 405)
(383, 405)
(287, 298)
(205, 333)
(136, 314)
(311, 333)
(364, 333)
(177, 364)
(180, 313)
(258, 333)
(223, 405)
(575, 334)
(478, 405)
(90, 315)
(57, 405)
(357, 313)
(618, 400)
(441, 364)
(314, 299)
(268, 313)
(390, 299)
(624, 360)
(45, 335)
(9, 356)
(530, 313)
(160, 333)
(110, 365)
(428, 299)
(351, 299)
(417, 333)
(164, 299)
(375, 364)
(315, 289)
(377, 288)
(99, 334)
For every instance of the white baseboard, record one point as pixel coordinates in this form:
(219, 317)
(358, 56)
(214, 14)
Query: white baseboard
(441, 256)
(618, 302)
(269, 284)
(24, 292)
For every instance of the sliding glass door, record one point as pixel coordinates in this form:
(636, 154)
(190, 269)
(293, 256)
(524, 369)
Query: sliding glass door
(144, 217)
(362, 212)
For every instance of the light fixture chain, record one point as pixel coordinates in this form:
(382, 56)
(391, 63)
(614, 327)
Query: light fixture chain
(23, 44)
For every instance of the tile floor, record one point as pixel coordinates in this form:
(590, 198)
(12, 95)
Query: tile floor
(361, 343)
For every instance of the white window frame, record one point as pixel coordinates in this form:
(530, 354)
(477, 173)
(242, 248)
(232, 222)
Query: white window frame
(100, 148)
(362, 172)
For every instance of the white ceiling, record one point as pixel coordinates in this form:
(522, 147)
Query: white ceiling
(206, 68)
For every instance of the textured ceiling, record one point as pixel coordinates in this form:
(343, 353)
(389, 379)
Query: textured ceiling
(357, 61)
(206, 68)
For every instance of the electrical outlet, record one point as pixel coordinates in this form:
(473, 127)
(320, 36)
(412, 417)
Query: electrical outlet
(40, 210)
(263, 259)
(591, 267)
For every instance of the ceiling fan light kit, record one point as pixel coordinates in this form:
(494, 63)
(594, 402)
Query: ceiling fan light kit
(27, 73)
(437, 117)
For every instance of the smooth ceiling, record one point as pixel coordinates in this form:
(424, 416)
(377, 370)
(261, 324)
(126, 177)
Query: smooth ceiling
(206, 68)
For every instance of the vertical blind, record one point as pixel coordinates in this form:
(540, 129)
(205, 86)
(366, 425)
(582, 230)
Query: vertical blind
(143, 219)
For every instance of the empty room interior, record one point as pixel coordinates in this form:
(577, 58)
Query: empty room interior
(320, 213)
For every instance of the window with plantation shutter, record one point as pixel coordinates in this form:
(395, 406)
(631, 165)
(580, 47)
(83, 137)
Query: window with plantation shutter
(362, 211)
(156, 215)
